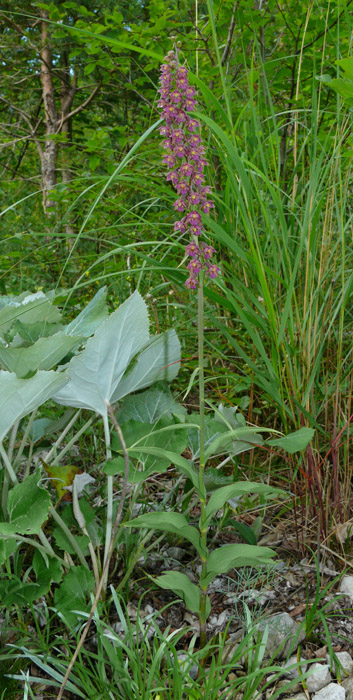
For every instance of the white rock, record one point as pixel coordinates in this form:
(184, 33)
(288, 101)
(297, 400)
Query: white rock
(283, 636)
(294, 672)
(346, 586)
(333, 691)
(345, 660)
(319, 677)
(186, 663)
(348, 685)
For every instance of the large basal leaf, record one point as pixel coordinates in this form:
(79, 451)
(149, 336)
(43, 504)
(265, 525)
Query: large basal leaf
(225, 493)
(46, 571)
(169, 522)
(18, 397)
(28, 506)
(117, 466)
(234, 420)
(28, 309)
(181, 585)
(149, 406)
(234, 441)
(231, 556)
(73, 594)
(213, 429)
(294, 442)
(25, 334)
(91, 317)
(165, 434)
(44, 354)
(159, 361)
(94, 375)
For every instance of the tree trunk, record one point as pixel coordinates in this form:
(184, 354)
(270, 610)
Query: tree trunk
(49, 154)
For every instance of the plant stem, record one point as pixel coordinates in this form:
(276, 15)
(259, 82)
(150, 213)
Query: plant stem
(24, 438)
(203, 526)
(69, 535)
(109, 525)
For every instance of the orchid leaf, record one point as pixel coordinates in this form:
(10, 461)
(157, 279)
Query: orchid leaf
(169, 522)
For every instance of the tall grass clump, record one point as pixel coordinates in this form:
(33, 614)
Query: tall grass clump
(284, 226)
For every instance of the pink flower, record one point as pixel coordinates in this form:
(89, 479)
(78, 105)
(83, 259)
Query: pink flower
(194, 199)
(192, 250)
(173, 176)
(191, 282)
(180, 225)
(179, 205)
(194, 217)
(207, 206)
(186, 170)
(195, 266)
(212, 271)
(207, 250)
(182, 188)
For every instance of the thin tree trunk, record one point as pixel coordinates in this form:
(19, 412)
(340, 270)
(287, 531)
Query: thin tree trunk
(49, 154)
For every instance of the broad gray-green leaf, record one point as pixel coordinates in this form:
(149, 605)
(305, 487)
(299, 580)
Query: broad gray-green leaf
(28, 333)
(18, 397)
(213, 429)
(164, 433)
(235, 441)
(294, 442)
(44, 354)
(169, 522)
(225, 493)
(91, 317)
(95, 374)
(159, 361)
(181, 585)
(31, 308)
(149, 406)
(182, 464)
(28, 506)
(231, 556)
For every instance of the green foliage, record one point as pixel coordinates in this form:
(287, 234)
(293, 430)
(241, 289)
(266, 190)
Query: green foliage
(72, 594)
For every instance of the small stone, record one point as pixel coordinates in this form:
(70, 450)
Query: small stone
(332, 691)
(319, 677)
(348, 684)
(294, 672)
(346, 586)
(284, 635)
(345, 660)
(187, 665)
(299, 696)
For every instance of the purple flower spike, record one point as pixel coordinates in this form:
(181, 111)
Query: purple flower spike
(186, 162)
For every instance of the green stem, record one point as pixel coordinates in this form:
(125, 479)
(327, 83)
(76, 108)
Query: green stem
(203, 526)
(24, 438)
(63, 434)
(69, 536)
(109, 525)
(8, 464)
